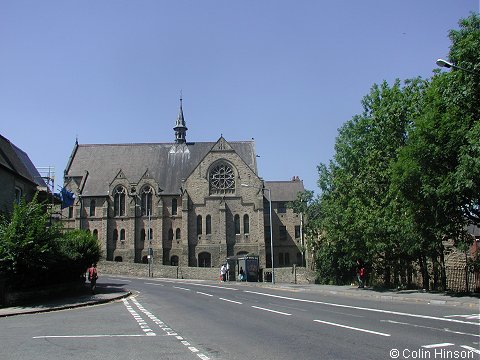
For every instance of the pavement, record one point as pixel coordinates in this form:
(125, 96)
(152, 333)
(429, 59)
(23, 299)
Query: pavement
(107, 293)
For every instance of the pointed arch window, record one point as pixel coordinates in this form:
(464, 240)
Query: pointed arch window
(147, 195)
(246, 224)
(92, 207)
(178, 234)
(208, 224)
(199, 225)
(119, 201)
(222, 179)
(174, 207)
(122, 235)
(237, 224)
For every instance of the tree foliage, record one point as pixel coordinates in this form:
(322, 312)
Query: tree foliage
(405, 174)
(33, 252)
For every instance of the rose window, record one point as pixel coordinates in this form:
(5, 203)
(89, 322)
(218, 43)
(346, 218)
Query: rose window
(222, 180)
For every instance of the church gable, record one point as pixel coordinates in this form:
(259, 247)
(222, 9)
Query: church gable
(222, 145)
(219, 173)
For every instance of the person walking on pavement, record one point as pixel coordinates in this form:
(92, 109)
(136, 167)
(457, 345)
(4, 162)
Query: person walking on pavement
(222, 272)
(360, 274)
(92, 277)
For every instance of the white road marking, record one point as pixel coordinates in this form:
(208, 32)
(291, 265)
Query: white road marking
(214, 286)
(469, 348)
(169, 331)
(352, 328)
(232, 301)
(181, 288)
(202, 293)
(90, 336)
(431, 328)
(433, 346)
(148, 283)
(364, 308)
(469, 317)
(270, 310)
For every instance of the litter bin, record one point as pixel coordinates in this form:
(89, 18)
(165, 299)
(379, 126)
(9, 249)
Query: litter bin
(268, 276)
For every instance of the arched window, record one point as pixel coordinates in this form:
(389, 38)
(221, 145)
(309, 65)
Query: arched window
(208, 224)
(178, 234)
(199, 225)
(174, 260)
(170, 234)
(146, 200)
(119, 201)
(95, 234)
(222, 179)
(237, 224)
(204, 259)
(122, 235)
(92, 207)
(151, 234)
(246, 224)
(115, 235)
(174, 206)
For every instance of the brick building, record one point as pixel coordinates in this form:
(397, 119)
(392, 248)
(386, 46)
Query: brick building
(185, 203)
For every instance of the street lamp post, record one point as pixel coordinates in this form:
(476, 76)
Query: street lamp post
(271, 230)
(448, 65)
(149, 257)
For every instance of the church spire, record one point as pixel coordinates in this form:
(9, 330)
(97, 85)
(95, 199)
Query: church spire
(180, 126)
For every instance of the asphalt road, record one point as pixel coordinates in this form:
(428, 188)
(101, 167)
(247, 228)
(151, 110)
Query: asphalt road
(175, 319)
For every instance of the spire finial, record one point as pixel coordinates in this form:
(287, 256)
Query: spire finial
(180, 126)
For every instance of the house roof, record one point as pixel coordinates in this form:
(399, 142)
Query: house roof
(285, 190)
(167, 163)
(18, 162)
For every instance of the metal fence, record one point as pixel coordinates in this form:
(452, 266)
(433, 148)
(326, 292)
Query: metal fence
(460, 279)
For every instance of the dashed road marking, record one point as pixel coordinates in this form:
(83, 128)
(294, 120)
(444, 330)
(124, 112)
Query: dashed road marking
(270, 310)
(232, 301)
(433, 346)
(352, 328)
(168, 330)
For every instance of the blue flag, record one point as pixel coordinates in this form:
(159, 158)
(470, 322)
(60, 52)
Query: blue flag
(67, 198)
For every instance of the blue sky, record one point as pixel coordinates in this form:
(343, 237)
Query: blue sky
(286, 73)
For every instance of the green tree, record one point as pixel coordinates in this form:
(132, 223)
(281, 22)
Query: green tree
(438, 172)
(33, 252)
(362, 217)
(28, 244)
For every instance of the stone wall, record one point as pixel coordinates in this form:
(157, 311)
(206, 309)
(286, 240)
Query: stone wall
(282, 275)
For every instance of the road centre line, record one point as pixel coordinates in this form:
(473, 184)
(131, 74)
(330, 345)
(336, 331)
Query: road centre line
(352, 328)
(202, 293)
(213, 286)
(364, 308)
(147, 283)
(434, 346)
(232, 301)
(430, 328)
(270, 310)
(471, 349)
(89, 336)
(181, 288)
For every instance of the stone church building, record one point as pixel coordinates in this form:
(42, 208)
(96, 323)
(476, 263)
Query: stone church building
(184, 203)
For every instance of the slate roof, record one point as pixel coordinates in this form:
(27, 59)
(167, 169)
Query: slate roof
(18, 162)
(166, 163)
(284, 190)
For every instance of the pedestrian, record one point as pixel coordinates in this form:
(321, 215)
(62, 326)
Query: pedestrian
(227, 271)
(242, 274)
(360, 274)
(222, 272)
(92, 277)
